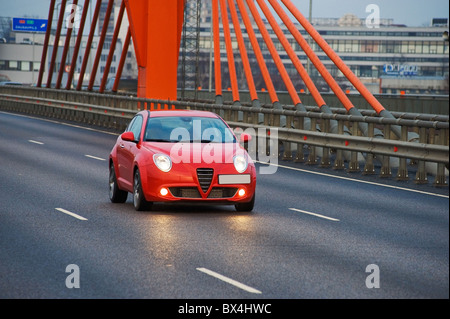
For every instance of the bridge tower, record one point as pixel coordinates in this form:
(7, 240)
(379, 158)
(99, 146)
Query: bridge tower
(156, 28)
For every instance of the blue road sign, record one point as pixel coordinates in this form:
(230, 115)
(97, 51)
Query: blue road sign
(29, 25)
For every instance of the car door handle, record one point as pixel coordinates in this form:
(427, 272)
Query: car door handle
(122, 146)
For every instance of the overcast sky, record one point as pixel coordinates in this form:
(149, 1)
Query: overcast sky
(409, 12)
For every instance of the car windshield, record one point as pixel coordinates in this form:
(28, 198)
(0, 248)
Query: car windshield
(173, 129)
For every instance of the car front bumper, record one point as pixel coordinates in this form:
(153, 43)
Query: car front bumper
(190, 183)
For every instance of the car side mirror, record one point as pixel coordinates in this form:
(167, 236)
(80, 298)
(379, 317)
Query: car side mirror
(128, 136)
(245, 138)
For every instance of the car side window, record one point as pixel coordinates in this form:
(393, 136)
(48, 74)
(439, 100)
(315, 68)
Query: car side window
(130, 124)
(135, 127)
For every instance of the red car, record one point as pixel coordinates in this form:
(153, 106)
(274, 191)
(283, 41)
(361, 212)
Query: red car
(181, 156)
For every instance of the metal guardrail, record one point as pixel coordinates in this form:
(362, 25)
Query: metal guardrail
(309, 136)
(421, 104)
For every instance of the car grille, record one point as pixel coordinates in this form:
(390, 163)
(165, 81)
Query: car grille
(193, 193)
(185, 192)
(205, 176)
(222, 192)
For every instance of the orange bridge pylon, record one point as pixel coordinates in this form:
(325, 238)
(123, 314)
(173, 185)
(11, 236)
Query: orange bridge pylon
(156, 28)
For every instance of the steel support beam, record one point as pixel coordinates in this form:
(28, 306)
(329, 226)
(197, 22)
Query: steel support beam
(55, 43)
(46, 40)
(76, 49)
(89, 45)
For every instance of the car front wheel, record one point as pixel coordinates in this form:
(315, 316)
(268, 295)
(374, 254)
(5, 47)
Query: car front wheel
(116, 195)
(139, 201)
(246, 207)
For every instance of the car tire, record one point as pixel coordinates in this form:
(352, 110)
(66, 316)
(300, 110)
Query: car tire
(246, 207)
(116, 195)
(139, 201)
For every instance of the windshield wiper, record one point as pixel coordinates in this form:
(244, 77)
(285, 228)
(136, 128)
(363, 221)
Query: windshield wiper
(183, 141)
(159, 140)
(205, 141)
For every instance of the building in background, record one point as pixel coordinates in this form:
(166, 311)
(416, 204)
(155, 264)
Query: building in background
(21, 52)
(389, 59)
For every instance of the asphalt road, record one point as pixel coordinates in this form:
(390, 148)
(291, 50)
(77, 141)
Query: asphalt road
(311, 235)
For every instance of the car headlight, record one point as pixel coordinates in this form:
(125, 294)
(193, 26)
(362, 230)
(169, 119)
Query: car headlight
(240, 163)
(163, 162)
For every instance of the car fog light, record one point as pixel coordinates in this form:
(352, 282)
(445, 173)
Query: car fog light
(164, 191)
(241, 192)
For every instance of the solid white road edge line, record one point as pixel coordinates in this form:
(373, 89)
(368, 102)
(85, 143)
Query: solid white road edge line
(229, 280)
(354, 180)
(62, 210)
(314, 214)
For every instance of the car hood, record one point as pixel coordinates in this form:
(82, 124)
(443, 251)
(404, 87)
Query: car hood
(198, 152)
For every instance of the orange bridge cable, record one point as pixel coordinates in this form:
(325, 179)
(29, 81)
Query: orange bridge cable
(77, 45)
(216, 34)
(243, 51)
(45, 47)
(376, 105)
(100, 44)
(313, 57)
(273, 52)
(122, 60)
(257, 52)
(112, 47)
(62, 64)
(55, 43)
(88, 45)
(292, 55)
(229, 49)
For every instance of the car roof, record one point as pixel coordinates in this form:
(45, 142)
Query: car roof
(194, 113)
